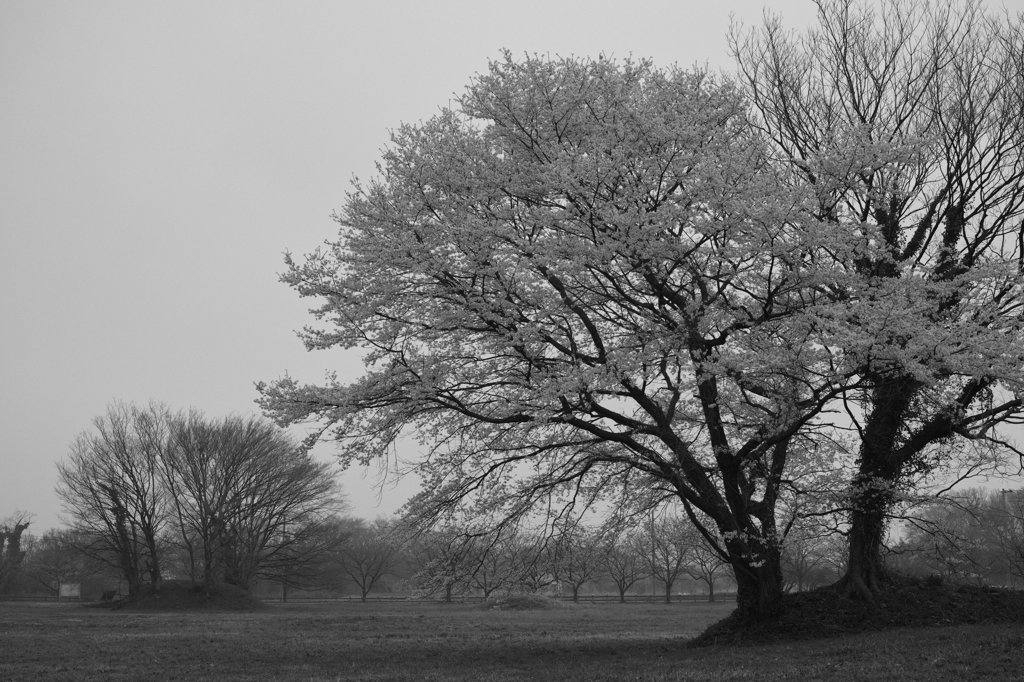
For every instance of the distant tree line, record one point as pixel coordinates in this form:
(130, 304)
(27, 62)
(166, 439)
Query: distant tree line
(976, 536)
(460, 560)
(387, 556)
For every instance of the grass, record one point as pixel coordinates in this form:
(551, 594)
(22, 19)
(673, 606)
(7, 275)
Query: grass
(424, 641)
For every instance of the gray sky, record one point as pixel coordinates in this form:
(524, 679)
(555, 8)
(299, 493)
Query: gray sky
(157, 158)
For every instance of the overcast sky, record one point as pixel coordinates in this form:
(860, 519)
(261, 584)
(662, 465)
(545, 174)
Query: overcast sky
(157, 158)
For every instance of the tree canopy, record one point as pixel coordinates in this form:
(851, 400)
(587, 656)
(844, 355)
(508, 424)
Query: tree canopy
(905, 119)
(586, 277)
(595, 280)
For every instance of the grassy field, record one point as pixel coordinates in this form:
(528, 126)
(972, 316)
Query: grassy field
(421, 641)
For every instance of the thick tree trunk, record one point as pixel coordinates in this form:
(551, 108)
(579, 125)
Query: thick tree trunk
(127, 556)
(156, 578)
(211, 573)
(711, 590)
(759, 587)
(132, 577)
(871, 503)
(668, 593)
(880, 470)
(153, 567)
(865, 569)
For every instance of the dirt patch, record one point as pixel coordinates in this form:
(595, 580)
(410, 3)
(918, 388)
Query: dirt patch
(904, 602)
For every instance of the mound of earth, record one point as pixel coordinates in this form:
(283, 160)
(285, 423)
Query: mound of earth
(903, 602)
(522, 602)
(182, 595)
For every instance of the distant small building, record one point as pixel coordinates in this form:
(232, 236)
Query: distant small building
(70, 591)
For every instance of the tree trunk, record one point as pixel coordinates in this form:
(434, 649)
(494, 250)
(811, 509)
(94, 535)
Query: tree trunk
(865, 569)
(711, 590)
(211, 572)
(155, 575)
(759, 588)
(668, 592)
(622, 596)
(153, 567)
(880, 470)
(134, 584)
(127, 557)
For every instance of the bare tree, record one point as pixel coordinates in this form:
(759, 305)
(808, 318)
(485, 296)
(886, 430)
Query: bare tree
(308, 557)
(196, 483)
(669, 546)
(577, 553)
(805, 558)
(533, 561)
(55, 559)
(247, 500)
(368, 553)
(705, 564)
(444, 557)
(237, 497)
(494, 561)
(110, 485)
(623, 560)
